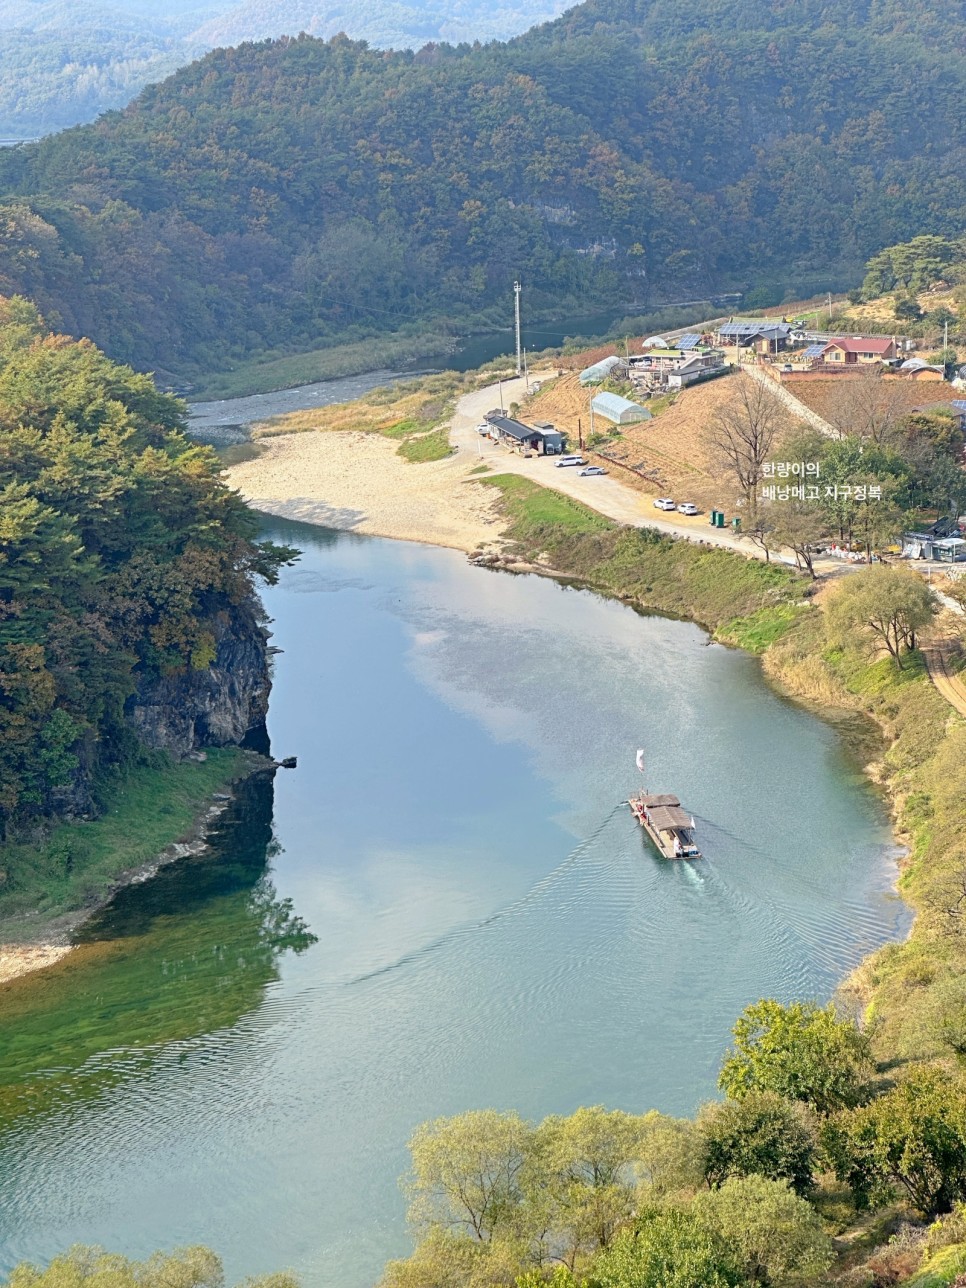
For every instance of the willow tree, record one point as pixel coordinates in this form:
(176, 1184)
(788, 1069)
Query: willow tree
(885, 607)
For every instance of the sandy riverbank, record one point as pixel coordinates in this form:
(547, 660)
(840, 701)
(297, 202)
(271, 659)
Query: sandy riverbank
(357, 482)
(21, 959)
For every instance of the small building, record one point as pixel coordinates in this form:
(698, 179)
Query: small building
(762, 336)
(674, 367)
(919, 369)
(618, 410)
(859, 349)
(598, 373)
(542, 437)
(553, 440)
(950, 550)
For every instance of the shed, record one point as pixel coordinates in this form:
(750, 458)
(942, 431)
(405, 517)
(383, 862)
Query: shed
(950, 550)
(618, 410)
(598, 373)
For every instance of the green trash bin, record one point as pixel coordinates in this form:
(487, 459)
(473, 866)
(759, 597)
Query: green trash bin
(714, 517)
(736, 523)
(720, 520)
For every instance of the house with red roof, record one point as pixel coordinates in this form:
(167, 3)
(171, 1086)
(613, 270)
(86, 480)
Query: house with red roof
(851, 350)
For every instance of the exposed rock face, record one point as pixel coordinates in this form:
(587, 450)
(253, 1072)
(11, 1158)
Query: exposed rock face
(214, 707)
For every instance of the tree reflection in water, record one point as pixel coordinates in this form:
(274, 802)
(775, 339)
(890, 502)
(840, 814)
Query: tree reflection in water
(175, 958)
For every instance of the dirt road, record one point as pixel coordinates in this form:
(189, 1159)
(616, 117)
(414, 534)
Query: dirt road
(605, 494)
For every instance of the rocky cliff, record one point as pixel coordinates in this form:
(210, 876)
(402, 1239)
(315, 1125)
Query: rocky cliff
(214, 707)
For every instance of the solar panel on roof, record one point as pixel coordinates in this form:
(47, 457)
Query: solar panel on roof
(814, 351)
(959, 404)
(689, 341)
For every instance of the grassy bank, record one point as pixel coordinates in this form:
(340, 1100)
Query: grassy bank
(914, 993)
(152, 805)
(266, 374)
(743, 601)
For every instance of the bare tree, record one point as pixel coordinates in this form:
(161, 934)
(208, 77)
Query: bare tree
(801, 527)
(867, 404)
(742, 434)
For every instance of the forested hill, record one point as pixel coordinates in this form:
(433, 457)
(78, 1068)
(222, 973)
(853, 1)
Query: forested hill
(287, 194)
(127, 570)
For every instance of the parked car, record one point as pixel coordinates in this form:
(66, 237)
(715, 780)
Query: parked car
(483, 429)
(688, 507)
(571, 460)
(592, 469)
(664, 503)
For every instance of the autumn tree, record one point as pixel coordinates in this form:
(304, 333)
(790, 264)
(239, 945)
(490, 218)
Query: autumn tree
(885, 607)
(912, 1139)
(799, 526)
(86, 1267)
(761, 1134)
(742, 434)
(668, 1248)
(466, 1172)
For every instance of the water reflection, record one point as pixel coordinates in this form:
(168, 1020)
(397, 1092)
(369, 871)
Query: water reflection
(141, 976)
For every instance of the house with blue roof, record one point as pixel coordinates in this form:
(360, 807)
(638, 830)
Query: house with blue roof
(759, 334)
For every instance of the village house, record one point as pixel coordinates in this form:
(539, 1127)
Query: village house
(760, 335)
(684, 364)
(856, 349)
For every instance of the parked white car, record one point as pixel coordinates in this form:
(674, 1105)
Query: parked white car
(571, 460)
(664, 503)
(688, 507)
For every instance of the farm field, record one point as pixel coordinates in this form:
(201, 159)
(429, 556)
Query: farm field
(661, 456)
(834, 398)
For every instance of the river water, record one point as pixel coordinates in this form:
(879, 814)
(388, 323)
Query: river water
(225, 422)
(491, 926)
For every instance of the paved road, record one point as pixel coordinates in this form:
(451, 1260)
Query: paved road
(605, 494)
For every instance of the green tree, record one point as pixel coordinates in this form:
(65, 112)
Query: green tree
(668, 1249)
(912, 1139)
(84, 1267)
(772, 1234)
(466, 1172)
(885, 607)
(761, 1134)
(800, 1051)
(580, 1175)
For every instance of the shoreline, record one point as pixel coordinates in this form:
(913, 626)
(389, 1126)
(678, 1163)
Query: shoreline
(50, 942)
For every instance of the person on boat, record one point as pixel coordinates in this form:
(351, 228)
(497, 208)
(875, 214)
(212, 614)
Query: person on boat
(677, 847)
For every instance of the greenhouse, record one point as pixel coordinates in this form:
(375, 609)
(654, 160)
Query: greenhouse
(599, 372)
(620, 411)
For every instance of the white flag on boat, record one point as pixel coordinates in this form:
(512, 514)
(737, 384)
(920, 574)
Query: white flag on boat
(640, 759)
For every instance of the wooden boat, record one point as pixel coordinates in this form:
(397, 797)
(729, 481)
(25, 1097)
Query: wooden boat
(666, 823)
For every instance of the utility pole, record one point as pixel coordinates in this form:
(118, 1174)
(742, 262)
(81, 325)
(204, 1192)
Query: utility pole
(516, 310)
(526, 371)
(830, 306)
(592, 430)
(502, 408)
(580, 434)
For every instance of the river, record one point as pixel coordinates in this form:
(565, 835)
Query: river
(491, 926)
(224, 423)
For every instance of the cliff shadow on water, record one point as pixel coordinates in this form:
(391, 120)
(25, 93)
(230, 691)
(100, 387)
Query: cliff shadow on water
(172, 959)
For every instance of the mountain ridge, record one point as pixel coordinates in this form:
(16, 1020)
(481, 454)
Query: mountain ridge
(282, 195)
